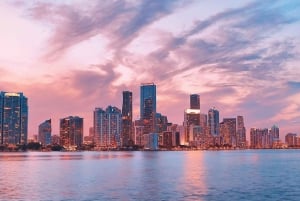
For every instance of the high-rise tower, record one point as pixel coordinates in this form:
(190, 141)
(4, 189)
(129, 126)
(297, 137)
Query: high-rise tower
(194, 101)
(213, 122)
(127, 137)
(44, 136)
(148, 107)
(241, 132)
(71, 132)
(13, 118)
(229, 132)
(107, 125)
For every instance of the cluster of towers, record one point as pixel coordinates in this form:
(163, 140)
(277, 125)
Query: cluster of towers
(205, 130)
(115, 128)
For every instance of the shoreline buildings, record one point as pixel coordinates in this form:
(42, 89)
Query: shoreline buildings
(115, 128)
(71, 132)
(13, 118)
(107, 127)
(264, 138)
(44, 136)
(127, 136)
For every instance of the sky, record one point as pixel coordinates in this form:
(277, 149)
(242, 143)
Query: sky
(69, 57)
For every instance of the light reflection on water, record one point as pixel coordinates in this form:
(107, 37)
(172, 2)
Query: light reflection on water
(58, 156)
(194, 175)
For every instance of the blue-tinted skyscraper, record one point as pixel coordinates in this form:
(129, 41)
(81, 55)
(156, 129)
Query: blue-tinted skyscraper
(148, 107)
(44, 136)
(13, 118)
(213, 122)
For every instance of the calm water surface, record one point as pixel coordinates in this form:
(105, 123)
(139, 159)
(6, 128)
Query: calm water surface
(192, 175)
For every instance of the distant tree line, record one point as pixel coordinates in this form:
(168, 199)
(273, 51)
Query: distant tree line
(31, 146)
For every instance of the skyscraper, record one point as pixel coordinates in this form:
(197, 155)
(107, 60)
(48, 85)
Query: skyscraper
(213, 122)
(13, 118)
(191, 118)
(203, 123)
(148, 107)
(260, 138)
(194, 101)
(241, 132)
(127, 136)
(274, 132)
(44, 136)
(71, 132)
(229, 131)
(107, 125)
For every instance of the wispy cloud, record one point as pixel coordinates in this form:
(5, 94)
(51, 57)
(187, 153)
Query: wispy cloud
(121, 21)
(236, 59)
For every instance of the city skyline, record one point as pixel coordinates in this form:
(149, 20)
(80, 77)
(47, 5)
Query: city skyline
(68, 58)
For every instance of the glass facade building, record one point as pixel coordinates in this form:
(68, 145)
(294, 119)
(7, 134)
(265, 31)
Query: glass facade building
(194, 101)
(213, 122)
(71, 132)
(241, 132)
(44, 136)
(127, 135)
(13, 118)
(107, 125)
(148, 107)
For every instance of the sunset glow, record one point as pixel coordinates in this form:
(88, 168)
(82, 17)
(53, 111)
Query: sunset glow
(69, 57)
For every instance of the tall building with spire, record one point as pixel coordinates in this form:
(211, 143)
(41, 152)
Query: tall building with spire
(13, 118)
(148, 107)
(127, 132)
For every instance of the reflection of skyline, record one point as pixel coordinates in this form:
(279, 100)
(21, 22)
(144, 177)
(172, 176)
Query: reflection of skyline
(38, 156)
(194, 175)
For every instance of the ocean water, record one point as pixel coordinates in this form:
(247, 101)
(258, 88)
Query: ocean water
(176, 175)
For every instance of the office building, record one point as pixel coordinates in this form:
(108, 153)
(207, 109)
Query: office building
(107, 125)
(13, 118)
(44, 136)
(148, 107)
(228, 132)
(275, 132)
(241, 132)
(203, 122)
(291, 140)
(192, 116)
(71, 132)
(151, 141)
(213, 122)
(260, 138)
(167, 139)
(195, 101)
(161, 122)
(127, 133)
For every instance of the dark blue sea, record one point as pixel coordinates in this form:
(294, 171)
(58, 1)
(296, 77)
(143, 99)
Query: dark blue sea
(144, 175)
